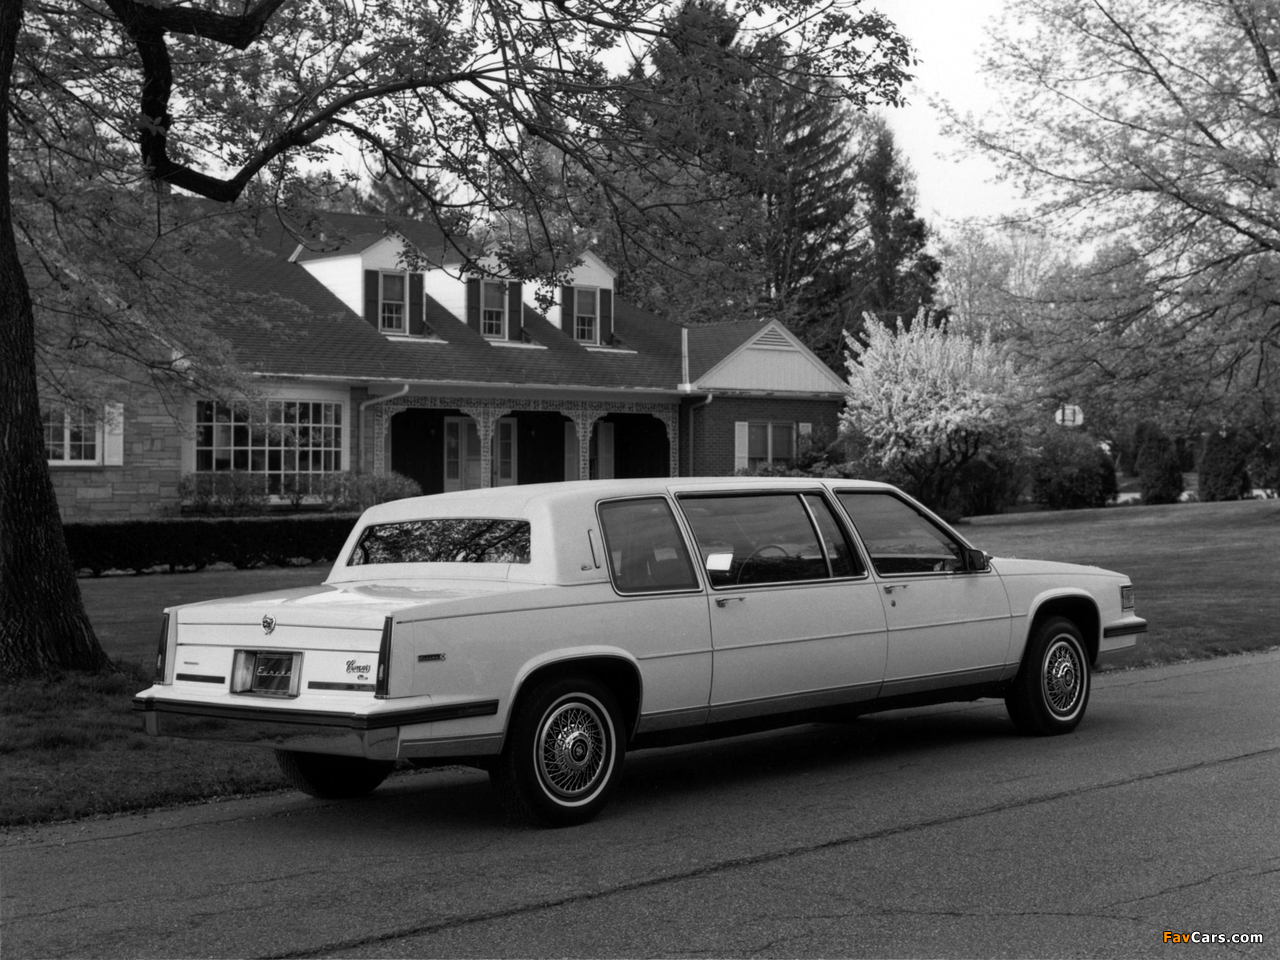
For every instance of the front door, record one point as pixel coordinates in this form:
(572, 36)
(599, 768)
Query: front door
(947, 626)
(462, 460)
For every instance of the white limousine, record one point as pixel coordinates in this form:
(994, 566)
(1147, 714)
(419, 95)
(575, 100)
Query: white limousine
(541, 631)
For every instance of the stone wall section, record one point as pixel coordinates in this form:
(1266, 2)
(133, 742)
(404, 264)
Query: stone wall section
(145, 486)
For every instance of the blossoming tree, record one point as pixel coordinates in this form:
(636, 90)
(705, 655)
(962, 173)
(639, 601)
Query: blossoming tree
(924, 403)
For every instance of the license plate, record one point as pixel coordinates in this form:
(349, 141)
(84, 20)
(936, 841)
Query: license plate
(273, 674)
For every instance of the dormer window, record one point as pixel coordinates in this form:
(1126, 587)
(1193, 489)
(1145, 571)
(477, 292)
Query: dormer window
(493, 312)
(391, 303)
(586, 314)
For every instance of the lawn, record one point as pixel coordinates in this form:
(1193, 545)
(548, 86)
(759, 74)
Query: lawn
(1207, 579)
(1206, 576)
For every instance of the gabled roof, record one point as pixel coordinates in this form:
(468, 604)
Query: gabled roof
(770, 358)
(710, 343)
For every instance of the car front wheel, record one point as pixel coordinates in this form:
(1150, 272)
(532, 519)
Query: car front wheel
(1051, 690)
(332, 778)
(564, 754)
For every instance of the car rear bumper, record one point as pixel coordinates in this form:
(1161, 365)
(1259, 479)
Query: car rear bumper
(376, 735)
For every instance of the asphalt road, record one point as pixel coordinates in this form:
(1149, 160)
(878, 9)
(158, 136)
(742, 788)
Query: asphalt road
(927, 833)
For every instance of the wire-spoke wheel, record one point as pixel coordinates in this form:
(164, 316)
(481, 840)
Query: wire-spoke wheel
(1051, 690)
(563, 755)
(571, 748)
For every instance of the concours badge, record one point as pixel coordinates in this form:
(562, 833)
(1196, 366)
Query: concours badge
(268, 623)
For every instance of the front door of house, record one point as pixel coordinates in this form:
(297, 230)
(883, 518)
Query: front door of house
(462, 454)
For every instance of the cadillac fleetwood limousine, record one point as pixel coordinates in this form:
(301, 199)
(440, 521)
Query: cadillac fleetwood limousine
(541, 631)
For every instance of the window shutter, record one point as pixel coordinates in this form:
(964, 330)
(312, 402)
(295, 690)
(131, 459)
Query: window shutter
(740, 446)
(417, 307)
(515, 310)
(566, 309)
(606, 316)
(604, 450)
(473, 304)
(371, 278)
(113, 435)
(570, 451)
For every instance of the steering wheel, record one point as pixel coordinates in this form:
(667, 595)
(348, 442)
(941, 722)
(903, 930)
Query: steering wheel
(760, 552)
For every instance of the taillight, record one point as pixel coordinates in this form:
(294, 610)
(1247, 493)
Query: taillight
(242, 671)
(382, 682)
(162, 654)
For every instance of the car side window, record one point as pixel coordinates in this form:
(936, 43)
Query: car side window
(899, 539)
(645, 548)
(761, 538)
(845, 561)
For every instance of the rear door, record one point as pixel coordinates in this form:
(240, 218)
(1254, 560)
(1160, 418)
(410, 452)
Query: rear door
(796, 622)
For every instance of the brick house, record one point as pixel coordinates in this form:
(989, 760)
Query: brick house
(383, 355)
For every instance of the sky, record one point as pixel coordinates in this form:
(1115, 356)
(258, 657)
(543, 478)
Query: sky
(948, 36)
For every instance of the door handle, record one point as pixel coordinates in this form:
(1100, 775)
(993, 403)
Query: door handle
(724, 601)
(890, 587)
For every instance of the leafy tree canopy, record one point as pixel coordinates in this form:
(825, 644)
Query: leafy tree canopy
(1145, 129)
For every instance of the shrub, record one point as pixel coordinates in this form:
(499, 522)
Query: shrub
(241, 493)
(990, 484)
(1073, 472)
(1159, 470)
(1224, 470)
(196, 542)
(231, 493)
(359, 491)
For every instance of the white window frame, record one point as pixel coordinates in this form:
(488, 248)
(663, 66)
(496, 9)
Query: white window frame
(108, 436)
(265, 442)
(384, 303)
(741, 441)
(501, 332)
(595, 318)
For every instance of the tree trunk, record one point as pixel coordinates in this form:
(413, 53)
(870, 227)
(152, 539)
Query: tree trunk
(43, 625)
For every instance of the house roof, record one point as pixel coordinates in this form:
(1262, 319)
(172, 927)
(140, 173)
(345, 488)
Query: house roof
(711, 343)
(303, 329)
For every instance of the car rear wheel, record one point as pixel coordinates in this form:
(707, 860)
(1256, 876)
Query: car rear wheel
(332, 778)
(1051, 690)
(563, 755)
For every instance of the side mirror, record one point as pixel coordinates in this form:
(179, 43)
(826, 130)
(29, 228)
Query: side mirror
(975, 561)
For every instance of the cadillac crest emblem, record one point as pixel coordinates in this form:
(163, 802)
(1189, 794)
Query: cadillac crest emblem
(268, 623)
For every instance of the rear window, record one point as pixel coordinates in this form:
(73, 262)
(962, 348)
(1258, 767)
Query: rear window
(451, 540)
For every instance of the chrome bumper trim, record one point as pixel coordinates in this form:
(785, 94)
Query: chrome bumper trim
(375, 735)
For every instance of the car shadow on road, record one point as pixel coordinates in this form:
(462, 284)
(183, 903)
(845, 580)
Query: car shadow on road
(819, 750)
(873, 746)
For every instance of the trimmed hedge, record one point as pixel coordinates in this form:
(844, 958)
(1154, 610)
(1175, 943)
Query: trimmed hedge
(196, 542)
